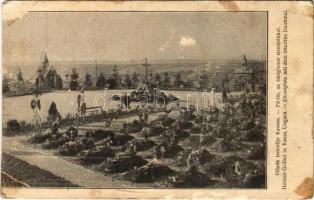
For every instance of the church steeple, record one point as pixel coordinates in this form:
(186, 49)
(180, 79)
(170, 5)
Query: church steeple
(44, 60)
(244, 63)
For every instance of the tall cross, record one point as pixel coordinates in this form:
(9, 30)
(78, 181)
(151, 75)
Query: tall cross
(96, 69)
(146, 69)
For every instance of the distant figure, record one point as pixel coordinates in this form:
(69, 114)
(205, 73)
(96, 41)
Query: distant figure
(83, 108)
(79, 99)
(132, 148)
(53, 113)
(55, 127)
(237, 168)
(173, 138)
(163, 151)
(140, 116)
(125, 128)
(156, 151)
(145, 132)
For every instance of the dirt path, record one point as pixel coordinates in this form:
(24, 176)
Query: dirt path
(60, 167)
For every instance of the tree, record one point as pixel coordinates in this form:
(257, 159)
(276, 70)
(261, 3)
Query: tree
(101, 81)
(19, 75)
(172, 81)
(188, 84)
(115, 81)
(204, 80)
(157, 79)
(42, 71)
(5, 85)
(128, 82)
(53, 112)
(50, 79)
(195, 84)
(166, 80)
(74, 80)
(88, 81)
(116, 77)
(59, 82)
(135, 79)
(178, 80)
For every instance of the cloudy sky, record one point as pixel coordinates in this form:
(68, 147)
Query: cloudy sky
(134, 36)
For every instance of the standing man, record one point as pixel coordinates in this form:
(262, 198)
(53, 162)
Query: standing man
(163, 151)
(145, 131)
(80, 99)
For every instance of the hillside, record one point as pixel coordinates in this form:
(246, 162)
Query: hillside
(124, 67)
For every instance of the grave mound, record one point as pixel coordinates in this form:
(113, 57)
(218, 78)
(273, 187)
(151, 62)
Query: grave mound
(190, 178)
(142, 144)
(182, 134)
(71, 132)
(132, 127)
(255, 135)
(221, 132)
(254, 179)
(96, 155)
(101, 134)
(156, 131)
(229, 144)
(119, 140)
(40, 137)
(148, 173)
(167, 121)
(182, 157)
(168, 151)
(186, 125)
(256, 152)
(55, 142)
(122, 163)
(200, 157)
(71, 148)
(196, 140)
(233, 168)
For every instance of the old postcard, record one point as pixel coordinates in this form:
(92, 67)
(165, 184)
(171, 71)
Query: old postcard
(147, 99)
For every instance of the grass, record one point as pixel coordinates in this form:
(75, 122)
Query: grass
(29, 174)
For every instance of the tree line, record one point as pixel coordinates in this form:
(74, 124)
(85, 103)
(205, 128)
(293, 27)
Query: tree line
(132, 81)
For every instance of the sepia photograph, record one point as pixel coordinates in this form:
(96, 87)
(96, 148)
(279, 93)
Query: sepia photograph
(135, 99)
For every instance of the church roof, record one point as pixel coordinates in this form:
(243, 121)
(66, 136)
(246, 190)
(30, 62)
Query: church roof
(44, 58)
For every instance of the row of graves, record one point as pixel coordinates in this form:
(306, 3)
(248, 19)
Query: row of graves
(185, 147)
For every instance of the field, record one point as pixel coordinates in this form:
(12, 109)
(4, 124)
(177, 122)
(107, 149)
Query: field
(19, 107)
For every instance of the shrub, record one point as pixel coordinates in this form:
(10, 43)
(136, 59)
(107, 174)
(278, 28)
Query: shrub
(13, 125)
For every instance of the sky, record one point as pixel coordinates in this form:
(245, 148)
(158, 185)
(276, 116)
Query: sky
(68, 36)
